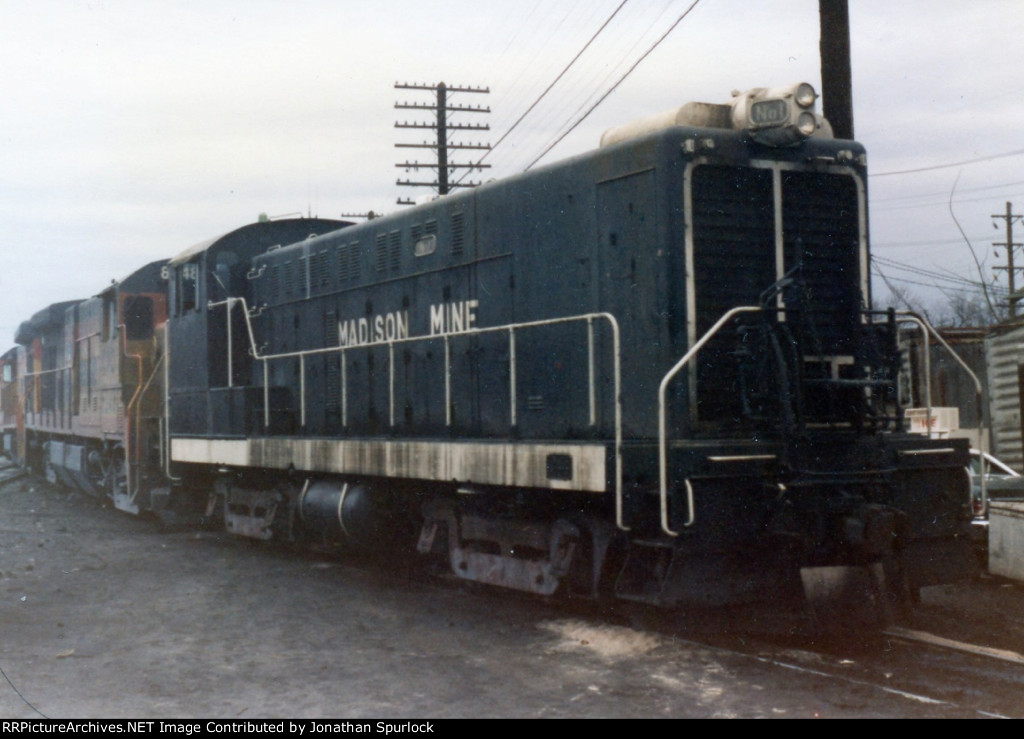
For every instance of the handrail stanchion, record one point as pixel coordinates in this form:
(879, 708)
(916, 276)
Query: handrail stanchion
(302, 390)
(447, 381)
(344, 389)
(391, 384)
(266, 395)
(512, 371)
(231, 365)
(591, 372)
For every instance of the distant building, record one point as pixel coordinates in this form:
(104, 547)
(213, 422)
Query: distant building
(1004, 348)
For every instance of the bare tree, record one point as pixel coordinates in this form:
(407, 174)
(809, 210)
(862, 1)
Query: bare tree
(901, 298)
(966, 310)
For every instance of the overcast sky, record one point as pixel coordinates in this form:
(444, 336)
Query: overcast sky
(131, 130)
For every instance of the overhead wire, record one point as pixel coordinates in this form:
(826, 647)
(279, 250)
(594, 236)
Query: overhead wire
(554, 82)
(930, 200)
(925, 201)
(945, 193)
(897, 294)
(515, 36)
(598, 76)
(582, 94)
(888, 279)
(936, 203)
(935, 198)
(521, 88)
(619, 82)
(926, 242)
(950, 165)
(583, 81)
(514, 31)
(952, 279)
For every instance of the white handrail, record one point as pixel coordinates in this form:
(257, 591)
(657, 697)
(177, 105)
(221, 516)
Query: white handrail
(662, 425)
(980, 395)
(510, 329)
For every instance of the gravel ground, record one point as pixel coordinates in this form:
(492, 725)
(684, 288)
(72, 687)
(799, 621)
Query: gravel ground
(106, 615)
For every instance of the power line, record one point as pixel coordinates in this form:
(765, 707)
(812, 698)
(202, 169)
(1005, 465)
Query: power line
(601, 76)
(1018, 152)
(926, 242)
(945, 194)
(616, 48)
(905, 299)
(904, 280)
(613, 87)
(522, 89)
(953, 279)
(937, 203)
(554, 82)
(543, 33)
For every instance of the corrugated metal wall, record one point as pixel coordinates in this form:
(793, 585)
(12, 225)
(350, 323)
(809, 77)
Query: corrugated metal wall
(1004, 350)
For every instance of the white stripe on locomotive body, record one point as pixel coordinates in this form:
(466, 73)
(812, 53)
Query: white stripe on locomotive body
(499, 463)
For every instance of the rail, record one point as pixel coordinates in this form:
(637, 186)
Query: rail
(446, 338)
(662, 424)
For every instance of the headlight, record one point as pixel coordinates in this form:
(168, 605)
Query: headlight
(806, 123)
(805, 95)
(778, 116)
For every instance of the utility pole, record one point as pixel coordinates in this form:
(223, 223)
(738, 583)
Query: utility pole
(441, 109)
(836, 76)
(1013, 296)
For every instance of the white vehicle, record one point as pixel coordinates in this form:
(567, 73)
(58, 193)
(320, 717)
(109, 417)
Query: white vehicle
(1002, 482)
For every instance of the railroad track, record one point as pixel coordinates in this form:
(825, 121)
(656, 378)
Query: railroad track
(938, 677)
(923, 637)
